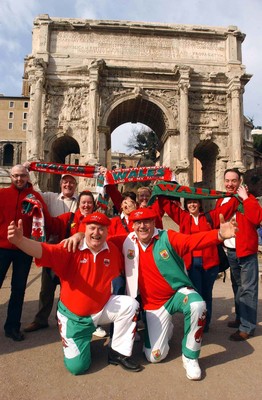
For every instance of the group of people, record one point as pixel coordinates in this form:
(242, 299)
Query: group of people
(164, 271)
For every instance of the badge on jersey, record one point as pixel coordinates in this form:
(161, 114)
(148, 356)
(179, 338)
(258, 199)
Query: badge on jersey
(106, 262)
(164, 254)
(130, 254)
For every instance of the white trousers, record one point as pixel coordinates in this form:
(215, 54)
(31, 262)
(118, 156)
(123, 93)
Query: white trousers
(122, 311)
(160, 327)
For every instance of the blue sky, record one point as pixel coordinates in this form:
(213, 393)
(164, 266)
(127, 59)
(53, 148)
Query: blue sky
(16, 22)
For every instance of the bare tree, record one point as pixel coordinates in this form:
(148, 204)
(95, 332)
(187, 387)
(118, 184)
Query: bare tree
(146, 142)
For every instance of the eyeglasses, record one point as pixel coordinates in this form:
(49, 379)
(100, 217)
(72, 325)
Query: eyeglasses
(16, 176)
(143, 221)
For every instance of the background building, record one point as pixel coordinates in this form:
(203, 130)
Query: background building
(13, 126)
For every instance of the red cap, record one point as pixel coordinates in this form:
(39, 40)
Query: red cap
(96, 218)
(142, 213)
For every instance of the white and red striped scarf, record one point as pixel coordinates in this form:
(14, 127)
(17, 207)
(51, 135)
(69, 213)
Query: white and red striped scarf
(33, 207)
(119, 175)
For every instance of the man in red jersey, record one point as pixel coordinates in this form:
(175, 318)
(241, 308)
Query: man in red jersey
(154, 267)
(85, 299)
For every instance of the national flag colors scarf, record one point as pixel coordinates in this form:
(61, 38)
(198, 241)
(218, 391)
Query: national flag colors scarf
(119, 175)
(167, 187)
(174, 190)
(33, 207)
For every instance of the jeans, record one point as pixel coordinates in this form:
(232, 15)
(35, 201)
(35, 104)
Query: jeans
(21, 267)
(244, 278)
(46, 297)
(203, 280)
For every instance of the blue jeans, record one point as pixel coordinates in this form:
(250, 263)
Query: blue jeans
(244, 278)
(119, 285)
(21, 267)
(203, 280)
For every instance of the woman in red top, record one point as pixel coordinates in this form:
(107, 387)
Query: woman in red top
(202, 265)
(120, 225)
(71, 223)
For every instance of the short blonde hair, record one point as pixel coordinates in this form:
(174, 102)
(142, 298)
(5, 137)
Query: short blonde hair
(139, 190)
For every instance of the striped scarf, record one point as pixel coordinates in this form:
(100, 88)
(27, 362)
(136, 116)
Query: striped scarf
(118, 175)
(33, 208)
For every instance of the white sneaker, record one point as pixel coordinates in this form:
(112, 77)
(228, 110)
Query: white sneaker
(192, 368)
(100, 332)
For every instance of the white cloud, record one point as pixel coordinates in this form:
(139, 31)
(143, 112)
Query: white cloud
(16, 15)
(85, 9)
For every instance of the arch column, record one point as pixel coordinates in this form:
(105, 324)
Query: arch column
(94, 70)
(36, 73)
(183, 164)
(104, 148)
(237, 125)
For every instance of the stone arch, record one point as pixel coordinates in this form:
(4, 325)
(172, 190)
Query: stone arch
(64, 149)
(207, 153)
(144, 109)
(8, 154)
(138, 109)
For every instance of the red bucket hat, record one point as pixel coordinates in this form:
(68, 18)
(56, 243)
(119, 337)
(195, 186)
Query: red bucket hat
(96, 218)
(142, 213)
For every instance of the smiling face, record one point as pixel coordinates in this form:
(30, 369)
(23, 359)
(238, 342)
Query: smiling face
(128, 205)
(19, 176)
(95, 236)
(86, 204)
(144, 229)
(193, 206)
(143, 195)
(68, 186)
(232, 181)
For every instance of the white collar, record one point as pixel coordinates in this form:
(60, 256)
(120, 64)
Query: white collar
(62, 197)
(84, 246)
(143, 245)
(122, 215)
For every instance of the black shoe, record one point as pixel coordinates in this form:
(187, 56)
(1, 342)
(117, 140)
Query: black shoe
(15, 335)
(125, 362)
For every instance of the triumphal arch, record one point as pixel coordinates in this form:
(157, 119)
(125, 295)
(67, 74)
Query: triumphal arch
(185, 82)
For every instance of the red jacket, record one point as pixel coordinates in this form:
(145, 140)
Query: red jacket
(253, 209)
(184, 220)
(119, 227)
(75, 226)
(246, 237)
(11, 210)
(160, 206)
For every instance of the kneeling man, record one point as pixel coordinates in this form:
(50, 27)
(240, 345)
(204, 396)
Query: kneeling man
(85, 300)
(154, 267)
